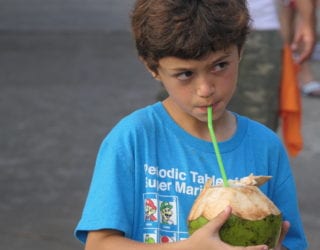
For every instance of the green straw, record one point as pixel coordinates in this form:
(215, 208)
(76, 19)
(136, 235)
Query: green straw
(216, 148)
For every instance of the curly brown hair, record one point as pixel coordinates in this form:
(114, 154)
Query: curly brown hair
(187, 29)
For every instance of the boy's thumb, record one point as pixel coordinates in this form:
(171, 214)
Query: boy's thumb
(216, 223)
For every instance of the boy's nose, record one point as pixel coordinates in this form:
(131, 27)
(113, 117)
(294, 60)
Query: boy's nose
(205, 88)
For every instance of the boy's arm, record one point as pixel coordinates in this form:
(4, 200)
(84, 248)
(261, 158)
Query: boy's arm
(206, 238)
(305, 34)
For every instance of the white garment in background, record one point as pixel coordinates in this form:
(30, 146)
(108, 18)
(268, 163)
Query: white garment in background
(264, 14)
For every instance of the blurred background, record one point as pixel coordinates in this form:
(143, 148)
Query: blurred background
(68, 73)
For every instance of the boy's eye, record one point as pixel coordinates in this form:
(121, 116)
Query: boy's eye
(184, 75)
(220, 66)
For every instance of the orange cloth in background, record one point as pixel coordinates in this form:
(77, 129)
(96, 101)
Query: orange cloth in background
(290, 104)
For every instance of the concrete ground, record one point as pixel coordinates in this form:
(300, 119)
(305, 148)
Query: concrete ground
(60, 93)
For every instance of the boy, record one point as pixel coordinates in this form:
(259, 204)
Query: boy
(154, 162)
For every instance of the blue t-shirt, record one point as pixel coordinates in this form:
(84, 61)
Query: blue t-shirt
(149, 171)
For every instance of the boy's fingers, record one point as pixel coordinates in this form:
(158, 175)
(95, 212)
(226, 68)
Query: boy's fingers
(216, 223)
(262, 247)
(284, 231)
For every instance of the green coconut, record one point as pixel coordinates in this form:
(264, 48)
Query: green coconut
(254, 220)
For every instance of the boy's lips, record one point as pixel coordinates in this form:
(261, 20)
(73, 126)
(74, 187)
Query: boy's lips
(213, 105)
(204, 108)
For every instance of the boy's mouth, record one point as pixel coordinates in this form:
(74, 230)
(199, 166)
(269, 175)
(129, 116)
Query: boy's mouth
(204, 108)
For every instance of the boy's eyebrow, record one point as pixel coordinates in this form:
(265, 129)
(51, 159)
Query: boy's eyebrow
(220, 58)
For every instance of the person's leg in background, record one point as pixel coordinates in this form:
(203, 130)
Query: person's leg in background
(257, 94)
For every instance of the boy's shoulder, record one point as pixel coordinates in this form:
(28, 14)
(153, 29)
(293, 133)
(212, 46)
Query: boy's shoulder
(258, 131)
(139, 119)
(142, 115)
(140, 123)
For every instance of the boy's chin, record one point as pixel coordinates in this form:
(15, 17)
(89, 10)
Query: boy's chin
(202, 118)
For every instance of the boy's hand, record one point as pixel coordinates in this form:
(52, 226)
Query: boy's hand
(207, 237)
(284, 231)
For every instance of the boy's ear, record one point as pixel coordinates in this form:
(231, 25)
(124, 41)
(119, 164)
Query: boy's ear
(241, 54)
(154, 74)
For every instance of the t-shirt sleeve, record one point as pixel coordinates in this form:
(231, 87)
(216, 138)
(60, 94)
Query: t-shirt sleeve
(110, 202)
(285, 197)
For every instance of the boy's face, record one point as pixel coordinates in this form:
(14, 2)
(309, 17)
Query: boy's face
(193, 85)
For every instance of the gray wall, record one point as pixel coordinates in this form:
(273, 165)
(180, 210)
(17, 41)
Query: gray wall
(68, 15)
